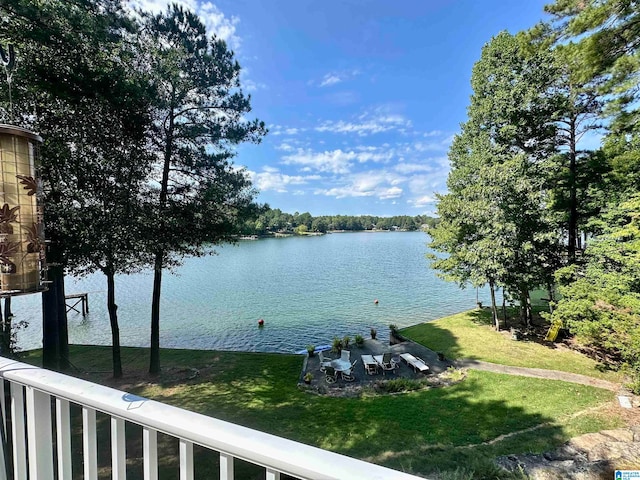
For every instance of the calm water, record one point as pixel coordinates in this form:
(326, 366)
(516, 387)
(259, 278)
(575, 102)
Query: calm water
(307, 290)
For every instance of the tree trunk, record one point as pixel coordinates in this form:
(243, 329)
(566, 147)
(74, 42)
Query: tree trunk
(551, 297)
(154, 357)
(494, 308)
(5, 334)
(504, 308)
(525, 307)
(51, 314)
(113, 319)
(573, 201)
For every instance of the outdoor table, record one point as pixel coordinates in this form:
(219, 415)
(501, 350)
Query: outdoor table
(368, 360)
(341, 365)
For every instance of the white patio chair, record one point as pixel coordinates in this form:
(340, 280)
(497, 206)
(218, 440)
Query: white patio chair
(345, 355)
(348, 375)
(324, 362)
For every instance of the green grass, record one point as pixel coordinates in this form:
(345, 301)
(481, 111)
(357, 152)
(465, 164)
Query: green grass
(259, 391)
(470, 335)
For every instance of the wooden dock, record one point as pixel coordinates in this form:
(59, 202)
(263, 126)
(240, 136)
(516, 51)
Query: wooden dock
(77, 298)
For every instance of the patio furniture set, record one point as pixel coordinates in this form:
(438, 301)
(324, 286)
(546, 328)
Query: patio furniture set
(372, 365)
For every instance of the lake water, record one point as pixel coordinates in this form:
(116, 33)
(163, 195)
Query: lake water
(307, 290)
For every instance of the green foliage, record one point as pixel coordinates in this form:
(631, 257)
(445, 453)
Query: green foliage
(397, 385)
(374, 333)
(359, 339)
(301, 230)
(601, 297)
(336, 345)
(494, 228)
(345, 341)
(275, 220)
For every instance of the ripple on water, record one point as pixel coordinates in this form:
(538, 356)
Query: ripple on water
(308, 290)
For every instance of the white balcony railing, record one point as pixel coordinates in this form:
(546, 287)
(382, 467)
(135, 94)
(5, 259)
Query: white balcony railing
(39, 397)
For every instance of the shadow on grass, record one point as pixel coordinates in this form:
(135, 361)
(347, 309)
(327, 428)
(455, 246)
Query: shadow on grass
(259, 391)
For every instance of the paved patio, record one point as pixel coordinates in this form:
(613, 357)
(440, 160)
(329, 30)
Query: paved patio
(374, 347)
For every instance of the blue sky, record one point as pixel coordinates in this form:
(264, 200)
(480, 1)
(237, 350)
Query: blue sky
(362, 98)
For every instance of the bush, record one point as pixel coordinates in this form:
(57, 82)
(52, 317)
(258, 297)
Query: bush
(336, 345)
(399, 385)
(393, 328)
(345, 342)
(359, 341)
(374, 332)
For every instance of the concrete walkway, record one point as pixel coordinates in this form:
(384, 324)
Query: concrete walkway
(537, 373)
(431, 357)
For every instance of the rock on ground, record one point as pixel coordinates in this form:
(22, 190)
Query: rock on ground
(593, 456)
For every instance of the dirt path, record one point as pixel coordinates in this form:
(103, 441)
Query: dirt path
(537, 373)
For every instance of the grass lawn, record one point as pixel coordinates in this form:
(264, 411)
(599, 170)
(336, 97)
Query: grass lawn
(414, 432)
(470, 335)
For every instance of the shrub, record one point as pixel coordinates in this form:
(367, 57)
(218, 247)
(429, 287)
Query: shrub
(374, 332)
(345, 342)
(393, 328)
(359, 340)
(400, 385)
(336, 345)
(311, 349)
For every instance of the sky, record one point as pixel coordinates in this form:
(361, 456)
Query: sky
(362, 98)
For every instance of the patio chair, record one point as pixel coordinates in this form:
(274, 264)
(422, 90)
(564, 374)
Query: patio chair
(416, 363)
(331, 375)
(385, 362)
(369, 367)
(324, 362)
(348, 375)
(345, 355)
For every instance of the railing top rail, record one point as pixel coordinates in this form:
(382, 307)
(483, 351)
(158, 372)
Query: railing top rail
(286, 456)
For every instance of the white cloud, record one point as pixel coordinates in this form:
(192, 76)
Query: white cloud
(422, 202)
(285, 147)
(374, 183)
(330, 80)
(282, 130)
(433, 133)
(367, 123)
(272, 179)
(251, 86)
(215, 21)
(334, 161)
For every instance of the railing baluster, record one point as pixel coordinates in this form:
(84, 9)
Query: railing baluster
(63, 432)
(226, 467)
(186, 460)
(150, 447)
(89, 444)
(3, 406)
(19, 437)
(39, 436)
(274, 454)
(272, 474)
(118, 450)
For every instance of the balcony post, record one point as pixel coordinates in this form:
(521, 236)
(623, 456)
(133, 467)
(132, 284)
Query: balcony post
(39, 437)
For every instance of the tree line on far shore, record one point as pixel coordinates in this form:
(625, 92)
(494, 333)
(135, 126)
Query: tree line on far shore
(275, 221)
